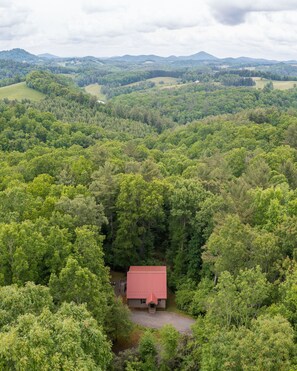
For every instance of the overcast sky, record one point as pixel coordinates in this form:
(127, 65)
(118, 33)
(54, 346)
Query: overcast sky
(262, 28)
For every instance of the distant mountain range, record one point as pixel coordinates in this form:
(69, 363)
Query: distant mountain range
(201, 56)
(21, 55)
(198, 57)
(18, 55)
(48, 56)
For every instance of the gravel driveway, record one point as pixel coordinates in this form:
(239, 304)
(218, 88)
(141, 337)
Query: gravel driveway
(161, 318)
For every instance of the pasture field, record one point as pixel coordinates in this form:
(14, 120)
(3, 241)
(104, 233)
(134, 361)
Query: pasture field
(164, 81)
(159, 81)
(95, 89)
(281, 85)
(20, 91)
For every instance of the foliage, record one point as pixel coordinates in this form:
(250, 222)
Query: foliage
(69, 339)
(140, 210)
(147, 346)
(169, 338)
(238, 300)
(196, 101)
(17, 301)
(86, 186)
(267, 345)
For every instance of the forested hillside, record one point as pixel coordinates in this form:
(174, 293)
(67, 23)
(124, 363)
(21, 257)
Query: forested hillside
(201, 178)
(197, 101)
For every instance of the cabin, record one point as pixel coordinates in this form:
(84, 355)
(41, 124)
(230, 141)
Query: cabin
(147, 287)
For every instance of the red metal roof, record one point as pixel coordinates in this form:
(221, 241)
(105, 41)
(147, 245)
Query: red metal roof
(147, 282)
(151, 299)
(147, 268)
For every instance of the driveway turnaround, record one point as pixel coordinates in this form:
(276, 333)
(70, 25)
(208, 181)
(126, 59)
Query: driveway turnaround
(161, 318)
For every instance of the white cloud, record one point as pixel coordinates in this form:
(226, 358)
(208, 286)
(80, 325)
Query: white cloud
(13, 21)
(92, 6)
(83, 27)
(4, 3)
(234, 12)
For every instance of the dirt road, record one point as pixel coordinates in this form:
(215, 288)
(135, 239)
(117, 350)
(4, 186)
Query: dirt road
(160, 318)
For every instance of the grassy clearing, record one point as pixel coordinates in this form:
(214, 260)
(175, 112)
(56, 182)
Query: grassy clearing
(69, 75)
(159, 81)
(20, 91)
(281, 85)
(95, 89)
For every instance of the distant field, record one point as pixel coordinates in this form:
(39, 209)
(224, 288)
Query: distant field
(95, 89)
(164, 80)
(20, 91)
(282, 85)
(159, 81)
(69, 75)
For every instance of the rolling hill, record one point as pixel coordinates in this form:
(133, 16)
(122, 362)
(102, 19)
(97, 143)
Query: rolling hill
(18, 55)
(20, 91)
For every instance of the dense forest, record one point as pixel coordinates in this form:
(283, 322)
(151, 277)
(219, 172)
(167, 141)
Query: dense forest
(196, 101)
(200, 177)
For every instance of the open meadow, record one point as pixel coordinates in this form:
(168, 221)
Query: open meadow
(281, 85)
(20, 91)
(95, 89)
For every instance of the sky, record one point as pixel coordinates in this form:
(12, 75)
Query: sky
(262, 28)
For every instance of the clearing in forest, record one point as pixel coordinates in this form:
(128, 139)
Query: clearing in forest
(159, 81)
(20, 91)
(281, 85)
(95, 89)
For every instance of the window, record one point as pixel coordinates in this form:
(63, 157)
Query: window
(142, 301)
